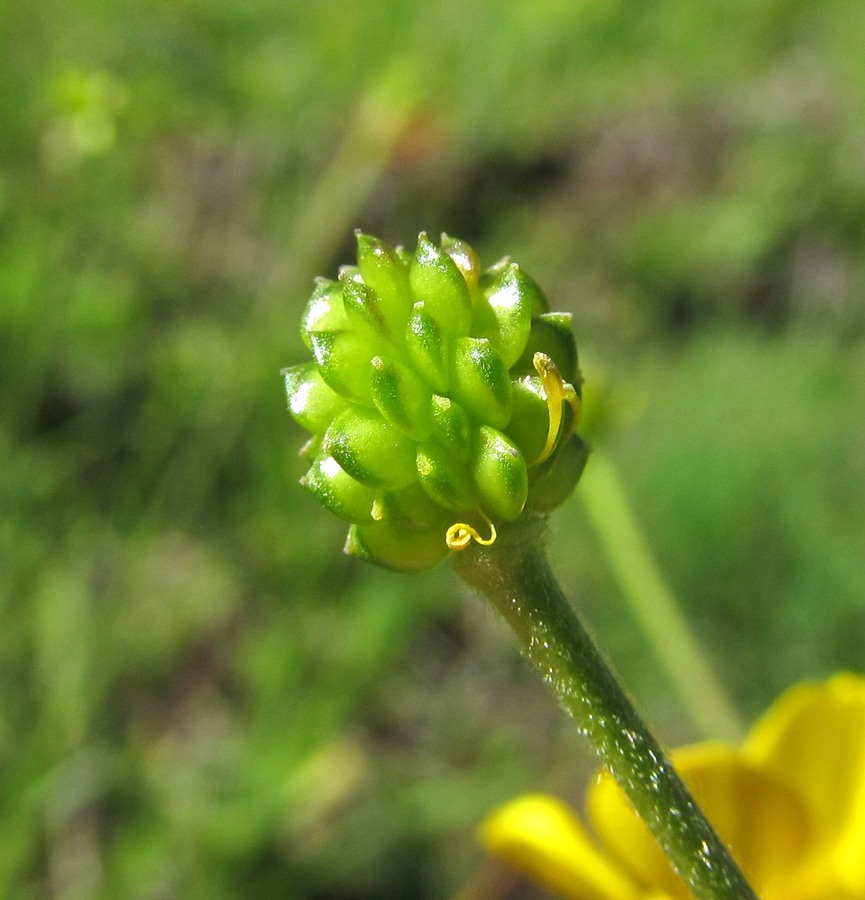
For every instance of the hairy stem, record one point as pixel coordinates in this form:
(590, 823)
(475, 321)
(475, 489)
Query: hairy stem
(515, 576)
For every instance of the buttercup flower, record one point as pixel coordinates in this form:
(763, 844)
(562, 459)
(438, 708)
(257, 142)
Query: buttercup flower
(442, 399)
(790, 802)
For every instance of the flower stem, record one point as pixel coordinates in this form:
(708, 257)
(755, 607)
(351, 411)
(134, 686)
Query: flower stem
(515, 576)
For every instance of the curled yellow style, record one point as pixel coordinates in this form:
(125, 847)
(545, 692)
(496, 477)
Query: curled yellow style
(460, 534)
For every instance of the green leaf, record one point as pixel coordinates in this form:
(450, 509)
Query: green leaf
(402, 398)
(500, 475)
(480, 381)
(335, 489)
(440, 289)
(370, 450)
(311, 402)
(444, 477)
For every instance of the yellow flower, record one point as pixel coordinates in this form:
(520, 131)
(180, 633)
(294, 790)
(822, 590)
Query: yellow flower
(790, 802)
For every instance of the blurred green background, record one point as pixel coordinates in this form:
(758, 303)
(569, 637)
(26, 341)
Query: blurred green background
(201, 697)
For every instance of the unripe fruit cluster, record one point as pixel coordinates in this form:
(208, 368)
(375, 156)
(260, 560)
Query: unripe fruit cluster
(441, 399)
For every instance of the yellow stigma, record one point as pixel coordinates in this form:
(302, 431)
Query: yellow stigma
(557, 391)
(460, 534)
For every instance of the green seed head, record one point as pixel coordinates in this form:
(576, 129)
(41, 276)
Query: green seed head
(443, 400)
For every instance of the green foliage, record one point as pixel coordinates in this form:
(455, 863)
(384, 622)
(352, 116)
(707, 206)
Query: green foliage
(200, 698)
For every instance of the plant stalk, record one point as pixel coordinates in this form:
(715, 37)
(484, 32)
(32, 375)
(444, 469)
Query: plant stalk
(515, 576)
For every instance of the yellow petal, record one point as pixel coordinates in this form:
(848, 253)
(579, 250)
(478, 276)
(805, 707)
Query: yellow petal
(756, 814)
(540, 837)
(814, 737)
